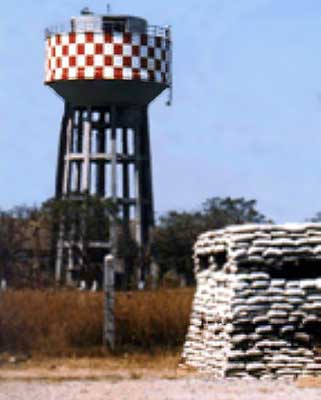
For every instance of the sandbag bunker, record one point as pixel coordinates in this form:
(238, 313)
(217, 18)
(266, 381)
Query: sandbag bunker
(257, 306)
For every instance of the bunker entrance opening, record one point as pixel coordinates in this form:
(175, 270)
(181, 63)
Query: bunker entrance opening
(219, 260)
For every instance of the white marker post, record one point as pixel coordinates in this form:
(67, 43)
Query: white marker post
(109, 302)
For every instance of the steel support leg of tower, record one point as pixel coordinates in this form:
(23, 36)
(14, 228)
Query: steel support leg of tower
(105, 152)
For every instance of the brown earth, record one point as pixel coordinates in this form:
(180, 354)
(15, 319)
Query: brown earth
(137, 377)
(155, 388)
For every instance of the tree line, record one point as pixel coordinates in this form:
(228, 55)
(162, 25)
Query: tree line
(27, 235)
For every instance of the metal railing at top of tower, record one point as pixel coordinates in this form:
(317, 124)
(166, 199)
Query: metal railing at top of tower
(97, 26)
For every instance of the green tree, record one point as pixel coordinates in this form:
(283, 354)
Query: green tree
(220, 212)
(21, 261)
(90, 219)
(176, 232)
(173, 240)
(316, 218)
(83, 220)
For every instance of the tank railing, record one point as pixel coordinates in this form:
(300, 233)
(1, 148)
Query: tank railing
(154, 30)
(98, 26)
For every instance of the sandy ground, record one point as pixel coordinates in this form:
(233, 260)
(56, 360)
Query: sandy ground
(137, 378)
(156, 389)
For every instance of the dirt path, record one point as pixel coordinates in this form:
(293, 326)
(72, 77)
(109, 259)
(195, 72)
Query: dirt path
(155, 389)
(137, 377)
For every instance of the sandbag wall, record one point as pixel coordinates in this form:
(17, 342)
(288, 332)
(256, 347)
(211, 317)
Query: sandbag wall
(257, 306)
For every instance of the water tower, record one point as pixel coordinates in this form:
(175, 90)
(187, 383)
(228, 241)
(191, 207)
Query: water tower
(107, 69)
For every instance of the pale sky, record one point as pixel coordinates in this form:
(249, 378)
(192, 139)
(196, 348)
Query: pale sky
(246, 118)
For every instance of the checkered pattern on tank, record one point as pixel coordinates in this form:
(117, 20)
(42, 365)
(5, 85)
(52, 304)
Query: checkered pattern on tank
(116, 56)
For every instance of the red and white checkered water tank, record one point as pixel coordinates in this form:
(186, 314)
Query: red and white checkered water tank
(105, 59)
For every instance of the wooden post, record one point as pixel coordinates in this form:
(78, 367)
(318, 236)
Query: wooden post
(3, 285)
(60, 254)
(109, 302)
(70, 265)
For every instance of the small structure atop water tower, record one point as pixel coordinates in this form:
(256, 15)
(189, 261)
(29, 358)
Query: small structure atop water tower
(107, 69)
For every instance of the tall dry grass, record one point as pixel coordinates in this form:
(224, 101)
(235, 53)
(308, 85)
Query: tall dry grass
(56, 323)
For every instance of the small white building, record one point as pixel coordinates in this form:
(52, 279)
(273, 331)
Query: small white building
(257, 306)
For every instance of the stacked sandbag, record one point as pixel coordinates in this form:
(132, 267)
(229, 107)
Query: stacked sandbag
(255, 312)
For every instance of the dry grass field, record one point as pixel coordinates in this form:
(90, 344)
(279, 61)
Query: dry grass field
(69, 323)
(61, 331)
